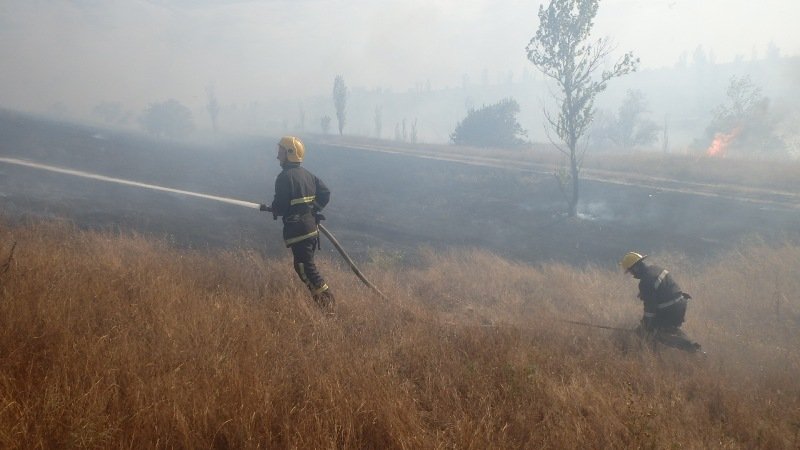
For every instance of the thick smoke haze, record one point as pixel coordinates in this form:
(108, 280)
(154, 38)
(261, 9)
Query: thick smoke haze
(69, 56)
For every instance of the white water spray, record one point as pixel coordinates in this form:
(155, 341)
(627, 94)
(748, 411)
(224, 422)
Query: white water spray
(93, 176)
(232, 201)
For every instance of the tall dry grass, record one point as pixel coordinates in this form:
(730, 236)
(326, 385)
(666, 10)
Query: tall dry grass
(781, 174)
(774, 173)
(119, 341)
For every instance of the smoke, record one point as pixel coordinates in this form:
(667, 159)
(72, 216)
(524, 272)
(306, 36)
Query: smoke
(596, 210)
(68, 56)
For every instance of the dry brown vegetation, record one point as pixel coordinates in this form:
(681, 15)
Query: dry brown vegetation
(120, 341)
(768, 173)
(780, 174)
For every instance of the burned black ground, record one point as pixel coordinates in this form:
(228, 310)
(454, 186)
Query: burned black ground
(381, 204)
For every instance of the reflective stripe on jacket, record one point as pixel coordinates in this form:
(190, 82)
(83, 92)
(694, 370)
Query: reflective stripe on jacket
(659, 292)
(298, 194)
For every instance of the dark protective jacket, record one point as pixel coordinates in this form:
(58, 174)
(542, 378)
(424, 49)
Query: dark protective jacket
(664, 302)
(298, 195)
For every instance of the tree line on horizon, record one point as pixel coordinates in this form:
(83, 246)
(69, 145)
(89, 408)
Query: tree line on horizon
(565, 52)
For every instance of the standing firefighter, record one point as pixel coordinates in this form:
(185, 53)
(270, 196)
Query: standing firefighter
(299, 198)
(664, 303)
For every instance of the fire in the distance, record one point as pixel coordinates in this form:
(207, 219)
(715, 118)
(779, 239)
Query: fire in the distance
(719, 146)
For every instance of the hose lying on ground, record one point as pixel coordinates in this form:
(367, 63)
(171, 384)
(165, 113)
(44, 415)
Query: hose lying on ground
(347, 258)
(591, 325)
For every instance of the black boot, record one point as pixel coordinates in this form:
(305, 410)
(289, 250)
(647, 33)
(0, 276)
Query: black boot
(676, 338)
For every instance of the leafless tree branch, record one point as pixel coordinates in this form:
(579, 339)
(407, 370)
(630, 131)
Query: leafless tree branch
(550, 137)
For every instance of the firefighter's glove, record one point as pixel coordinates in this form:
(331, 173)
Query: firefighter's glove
(263, 207)
(318, 217)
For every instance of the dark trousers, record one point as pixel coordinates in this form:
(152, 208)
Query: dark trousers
(665, 329)
(305, 267)
(670, 317)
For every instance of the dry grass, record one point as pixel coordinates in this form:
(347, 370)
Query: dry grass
(767, 173)
(118, 341)
(779, 174)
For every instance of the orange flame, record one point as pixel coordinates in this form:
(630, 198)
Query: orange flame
(721, 142)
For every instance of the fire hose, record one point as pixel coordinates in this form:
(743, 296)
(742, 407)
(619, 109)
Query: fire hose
(338, 247)
(232, 201)
(350, 262)
(591, 325)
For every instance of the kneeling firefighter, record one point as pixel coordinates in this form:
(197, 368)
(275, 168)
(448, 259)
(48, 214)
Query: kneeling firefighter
(299, 199)
(664, 303)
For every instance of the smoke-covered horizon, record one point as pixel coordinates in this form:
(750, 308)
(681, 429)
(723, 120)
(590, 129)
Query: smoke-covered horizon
(69, 56)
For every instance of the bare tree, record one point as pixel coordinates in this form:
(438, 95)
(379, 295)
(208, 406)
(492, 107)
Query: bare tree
(340, 100)
(631, 127)
(746, 117)
(562, 51)
(378, 121)
(325, 124)
(212, 106)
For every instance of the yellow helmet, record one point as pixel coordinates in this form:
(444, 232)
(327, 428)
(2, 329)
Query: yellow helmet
(630, 259)
(292, 149)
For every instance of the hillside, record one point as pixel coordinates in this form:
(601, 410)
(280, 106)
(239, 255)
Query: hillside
(121, 341)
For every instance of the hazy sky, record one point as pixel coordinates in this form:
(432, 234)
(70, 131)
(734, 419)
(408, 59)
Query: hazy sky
(82, 52)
